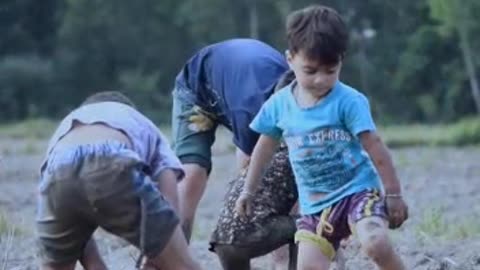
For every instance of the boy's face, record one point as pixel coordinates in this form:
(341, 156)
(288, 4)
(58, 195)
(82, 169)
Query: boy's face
(313, 76)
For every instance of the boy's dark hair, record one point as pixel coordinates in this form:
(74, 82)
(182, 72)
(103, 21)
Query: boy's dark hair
(319, 32)
(112, 96)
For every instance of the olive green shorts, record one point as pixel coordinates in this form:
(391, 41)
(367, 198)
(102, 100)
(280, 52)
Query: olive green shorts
(99, 185)
(193, 133)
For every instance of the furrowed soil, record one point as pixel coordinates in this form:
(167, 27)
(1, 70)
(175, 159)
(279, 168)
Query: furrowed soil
(441, 186)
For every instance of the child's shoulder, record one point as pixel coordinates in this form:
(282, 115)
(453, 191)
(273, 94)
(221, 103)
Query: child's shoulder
(278, 100)
(283, 93)
(349, 93)
(348, 90)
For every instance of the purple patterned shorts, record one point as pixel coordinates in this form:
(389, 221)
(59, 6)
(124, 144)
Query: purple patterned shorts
(334, 224)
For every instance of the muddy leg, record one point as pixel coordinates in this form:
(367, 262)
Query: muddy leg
(232, 257)
(277, 232)
(292, 256)
(281, 241)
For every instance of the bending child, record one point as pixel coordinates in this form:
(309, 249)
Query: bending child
(224, 83)
(344, 173)
(237, 240)
(108, 166)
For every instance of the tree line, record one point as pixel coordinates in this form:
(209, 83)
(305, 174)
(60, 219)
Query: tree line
(417, 60)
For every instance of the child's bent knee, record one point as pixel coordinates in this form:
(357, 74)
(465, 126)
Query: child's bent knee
(311, 257)
(373, 235)
(378, 246)
(370, 227)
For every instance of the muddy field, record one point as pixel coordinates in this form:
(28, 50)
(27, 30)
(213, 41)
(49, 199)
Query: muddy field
(442, 186)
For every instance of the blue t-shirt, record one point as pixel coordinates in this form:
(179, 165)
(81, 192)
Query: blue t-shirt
(232, 79)
(325, 152)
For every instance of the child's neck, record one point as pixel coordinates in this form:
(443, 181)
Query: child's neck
(305, 99)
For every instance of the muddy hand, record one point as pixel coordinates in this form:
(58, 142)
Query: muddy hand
(397, 211)
(243, 205)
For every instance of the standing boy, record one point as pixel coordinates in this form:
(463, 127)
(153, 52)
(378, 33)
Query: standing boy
(344, 173)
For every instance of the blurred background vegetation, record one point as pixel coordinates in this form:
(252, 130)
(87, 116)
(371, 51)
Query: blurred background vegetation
(417, 60)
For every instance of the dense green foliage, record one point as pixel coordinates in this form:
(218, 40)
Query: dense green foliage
(417, 60)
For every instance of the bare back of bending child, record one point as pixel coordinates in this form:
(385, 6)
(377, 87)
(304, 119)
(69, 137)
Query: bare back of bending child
(108, 166)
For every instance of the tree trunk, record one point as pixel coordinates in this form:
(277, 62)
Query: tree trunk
(463, 31)
(253, 18)
(469, 65)
(284, 7)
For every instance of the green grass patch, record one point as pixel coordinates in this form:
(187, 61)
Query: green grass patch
(435, 225)
(199, 233)
(462, 133)
(27, 147)
(7, 227)
(29, 129)
(166, 131)
(30, 148)
(42, 129)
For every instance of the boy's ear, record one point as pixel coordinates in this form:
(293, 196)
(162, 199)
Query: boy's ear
(289, 57)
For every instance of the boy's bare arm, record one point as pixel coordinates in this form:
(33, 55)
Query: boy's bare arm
(382, 160)
(167, 184)
(261, 156)
(378, 152)
(242, 159)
